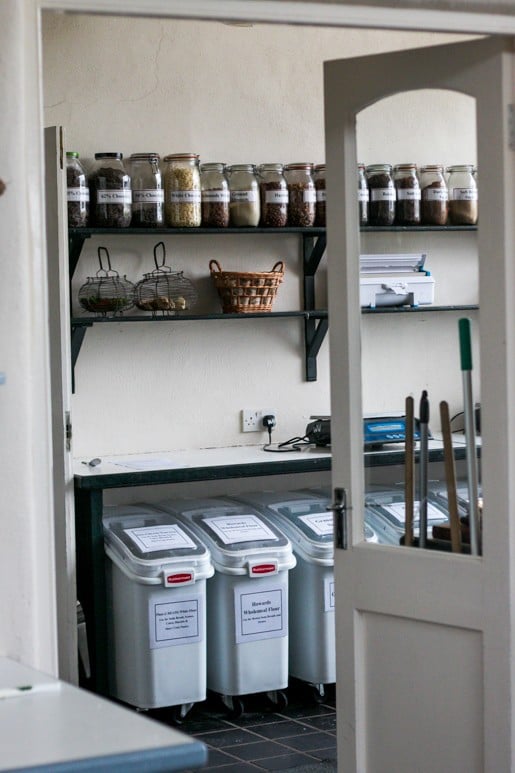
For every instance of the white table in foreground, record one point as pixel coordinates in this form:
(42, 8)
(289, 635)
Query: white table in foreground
(58, 728)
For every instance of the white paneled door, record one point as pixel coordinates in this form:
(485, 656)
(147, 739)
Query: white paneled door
(424, 637)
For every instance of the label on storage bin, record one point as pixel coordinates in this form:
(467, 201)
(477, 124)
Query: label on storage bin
(150, 539)
(175, 622)
(261, 614)
(319, 523)
(329, 586)
(240, 528)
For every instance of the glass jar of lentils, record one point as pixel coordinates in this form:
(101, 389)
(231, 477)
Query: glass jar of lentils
(77, 191)
(407, 191)
(381, 208)
(274, 196)
(434, 205)
(462, 195)
(182, 190)
(245, 209)
(214, 195)
(301, 195)
(147, 190)
(363, 195)
(319, 180)
(110, 192)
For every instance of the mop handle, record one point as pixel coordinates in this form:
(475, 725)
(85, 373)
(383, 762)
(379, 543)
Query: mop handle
(423, 469)
(470, 432)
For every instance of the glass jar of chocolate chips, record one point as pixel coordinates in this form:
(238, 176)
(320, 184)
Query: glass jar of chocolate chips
(273, 191)
(381, 208)
(214, 195)
(77, 191)
(434, 204)
(407, 192)
(147, 191)
(301, 195)
(110, 192)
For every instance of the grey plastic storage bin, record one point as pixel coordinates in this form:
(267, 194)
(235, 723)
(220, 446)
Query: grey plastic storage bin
(304, 518)
(156, 587)
(247, 599)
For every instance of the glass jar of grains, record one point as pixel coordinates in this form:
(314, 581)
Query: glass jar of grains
(301, 195)
(245, 210)
(434, 205)
(214, 195)
(182, 190)
(407, 191)
(319, 180)
(147, 190)
(381, 208)
(274, 196)
(110, 192)
(77, 191)
(363, 195)
(462, 195)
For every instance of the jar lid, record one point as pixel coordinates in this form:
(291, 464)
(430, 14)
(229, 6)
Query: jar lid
(299, 165)
(119, 156)
(182, 157)
(432, 168)
(271, 167)
(144, 156)
(460, 168)
(319, 168)
(212, 166)
(361, 165)
(379, 168)
(402, 167)
(72, 154)
(242, 168)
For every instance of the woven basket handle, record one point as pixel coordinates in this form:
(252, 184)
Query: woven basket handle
(215, 263)
(279, 266)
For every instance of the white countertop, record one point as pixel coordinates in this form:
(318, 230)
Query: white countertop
(58, 728)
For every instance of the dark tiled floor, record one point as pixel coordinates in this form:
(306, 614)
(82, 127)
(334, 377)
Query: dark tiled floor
(265, 736)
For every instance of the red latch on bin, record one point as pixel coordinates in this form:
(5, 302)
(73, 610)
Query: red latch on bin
(256, 570)
(179, 578)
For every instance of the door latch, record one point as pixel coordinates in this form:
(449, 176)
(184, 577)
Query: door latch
(340, 526)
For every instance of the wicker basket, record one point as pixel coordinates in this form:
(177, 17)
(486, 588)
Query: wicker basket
(246, 291)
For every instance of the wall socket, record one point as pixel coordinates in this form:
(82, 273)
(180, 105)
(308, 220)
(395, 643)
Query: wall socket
(252, 418)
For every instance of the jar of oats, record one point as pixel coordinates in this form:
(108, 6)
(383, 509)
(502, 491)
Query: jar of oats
(245, 209)
(215, 195)
(301, 195)
(274, 196)
(182, 190)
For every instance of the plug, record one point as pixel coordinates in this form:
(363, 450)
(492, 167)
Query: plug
(269, 423)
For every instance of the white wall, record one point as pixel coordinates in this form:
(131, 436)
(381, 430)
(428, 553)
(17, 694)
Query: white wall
(240, 94)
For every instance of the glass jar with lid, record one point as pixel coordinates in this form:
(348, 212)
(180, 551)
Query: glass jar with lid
(434, 205)
(244, 207)
(214, 195)
(77, 191)
(274, 196)
(407, 193)
(462, 195)
(182, 190)
(301, 195)
(363, 195)
(110, 192)
(319, 180)
(381, 208)
(147, 190)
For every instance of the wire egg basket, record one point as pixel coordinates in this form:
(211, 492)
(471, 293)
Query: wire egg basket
(164, 292)
(107, 293)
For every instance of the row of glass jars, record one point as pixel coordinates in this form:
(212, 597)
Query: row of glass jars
(188, 194)
(403, 195)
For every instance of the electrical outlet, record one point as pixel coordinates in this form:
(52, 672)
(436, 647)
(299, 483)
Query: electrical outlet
(252, 418)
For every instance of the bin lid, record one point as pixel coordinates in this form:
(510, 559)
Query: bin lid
(236, 534)
(391, 506)
(304, 518)
(149, 542)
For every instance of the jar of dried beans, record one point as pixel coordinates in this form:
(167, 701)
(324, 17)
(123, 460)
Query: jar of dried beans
(244, 207)
(301, 195)
(462, 195)
(363, 195)
(407, 191)
(77, 191)
(182, 190)
(381, 209)
(434, 204)
(147, 190)
(274, 196)
(110, 192)
(214, 195)
(319, 180)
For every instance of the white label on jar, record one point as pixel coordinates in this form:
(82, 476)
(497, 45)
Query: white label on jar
(382, 194)
(363, 194)
(147, 196)
(309, 196)
(410, 194)
(435, 194)
(244, 196)
(77, 194)
(463, 194)
(276, 197)
(185, 197)
(321, 196)
(216, 196)
(114, 197)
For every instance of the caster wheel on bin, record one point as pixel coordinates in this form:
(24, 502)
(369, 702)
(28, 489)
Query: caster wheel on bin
(234, 706)
(178, 713)
(318, 692)
(278, 699)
